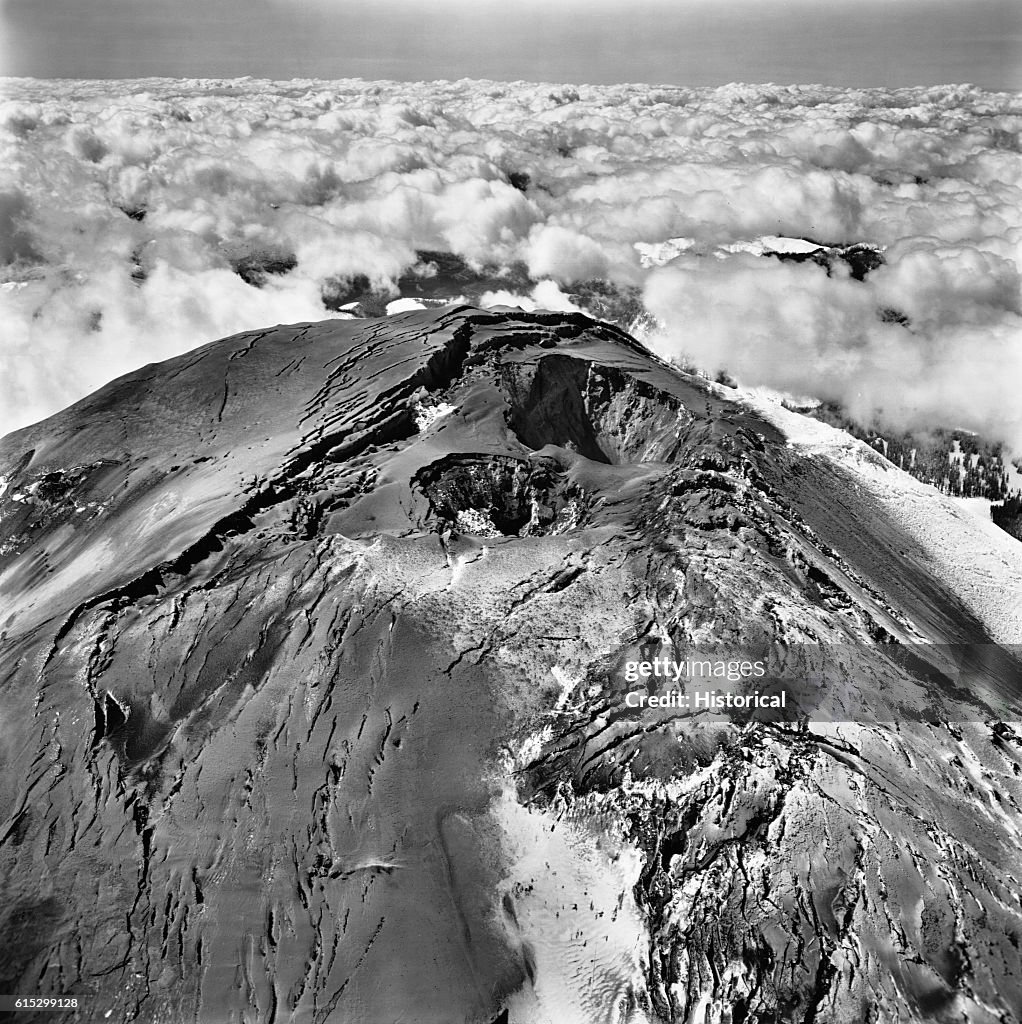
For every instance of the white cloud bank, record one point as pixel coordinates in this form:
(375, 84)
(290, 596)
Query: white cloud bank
(344, 178)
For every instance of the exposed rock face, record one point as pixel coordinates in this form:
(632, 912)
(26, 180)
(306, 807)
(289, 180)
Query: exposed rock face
(310, 711)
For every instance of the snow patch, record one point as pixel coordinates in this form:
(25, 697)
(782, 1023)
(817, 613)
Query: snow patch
(570, 891)
(426, 415)
(658, 254)
(978, 507)
(568, 684)
(404, 305)
(477, 523)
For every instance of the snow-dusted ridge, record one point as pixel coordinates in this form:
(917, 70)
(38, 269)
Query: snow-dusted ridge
(660, 254)
(979, 561)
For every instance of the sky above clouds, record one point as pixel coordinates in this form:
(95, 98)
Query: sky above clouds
(888, 43)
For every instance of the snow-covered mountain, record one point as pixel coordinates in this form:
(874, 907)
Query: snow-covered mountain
(859, 257)
(315, 700)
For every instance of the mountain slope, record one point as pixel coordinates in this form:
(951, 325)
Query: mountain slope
(311, 703)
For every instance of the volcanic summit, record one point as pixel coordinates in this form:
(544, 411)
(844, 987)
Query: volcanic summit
(311, 703)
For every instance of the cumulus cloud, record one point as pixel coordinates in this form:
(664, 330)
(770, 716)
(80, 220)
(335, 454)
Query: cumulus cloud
(140, 219)
(546, 295)
(565, 254)
(793, 328)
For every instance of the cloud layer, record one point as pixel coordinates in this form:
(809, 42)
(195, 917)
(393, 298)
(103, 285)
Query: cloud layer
(140, 219)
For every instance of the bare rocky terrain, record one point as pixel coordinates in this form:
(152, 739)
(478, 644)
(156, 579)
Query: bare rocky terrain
(311, 705)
